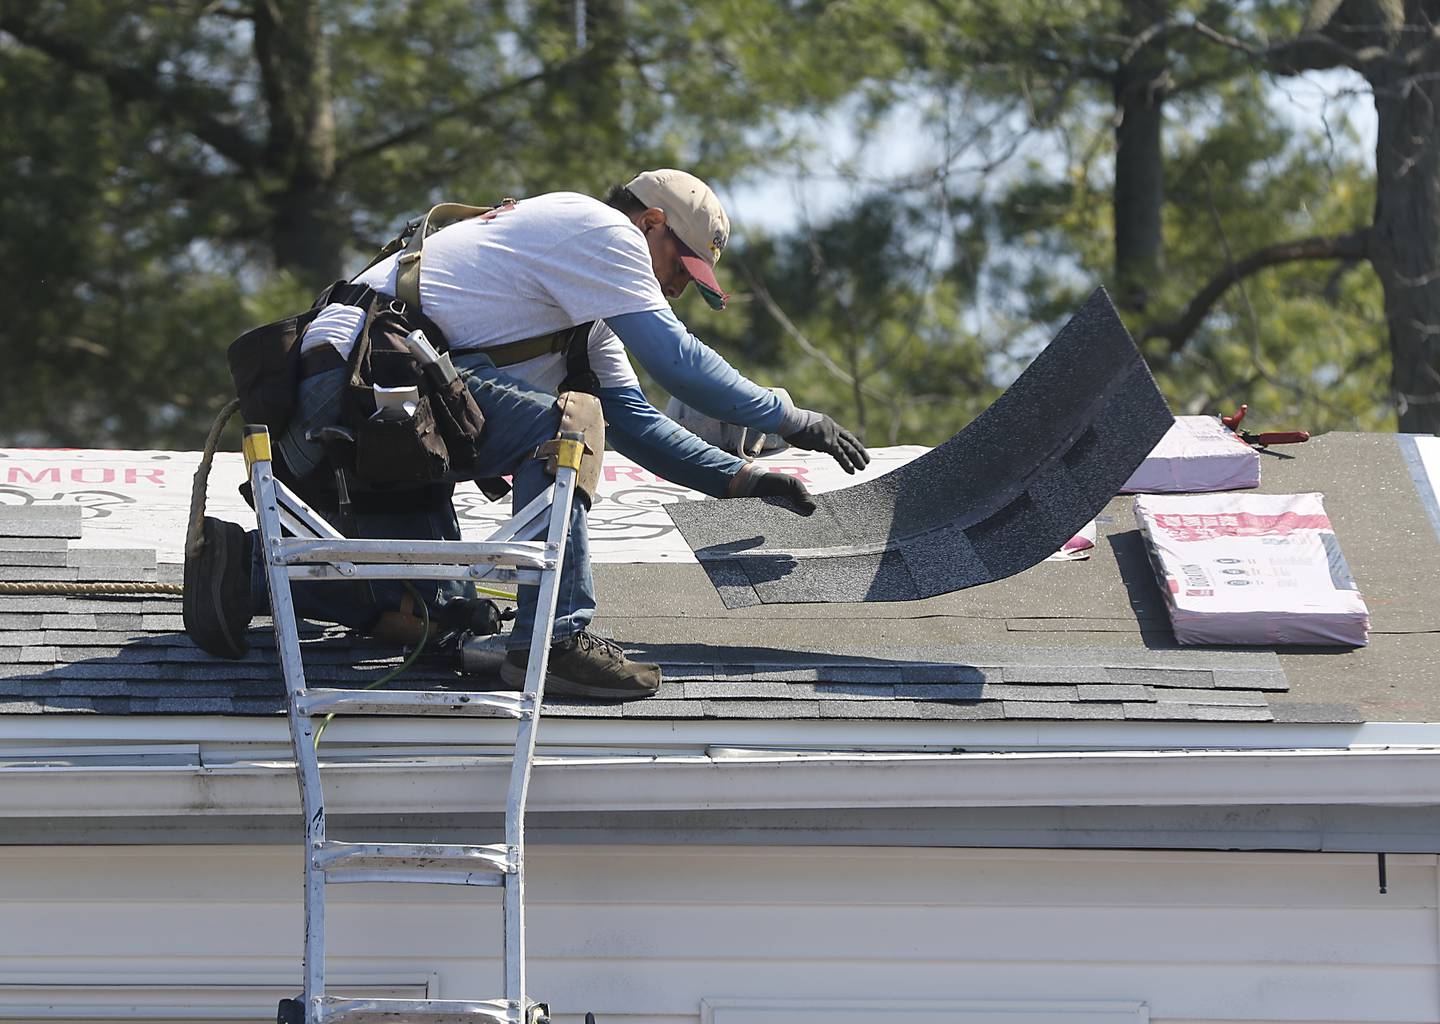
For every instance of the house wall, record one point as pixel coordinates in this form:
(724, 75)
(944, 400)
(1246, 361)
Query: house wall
(645, 935)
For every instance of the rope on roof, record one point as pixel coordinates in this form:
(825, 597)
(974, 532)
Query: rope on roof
(79, 589)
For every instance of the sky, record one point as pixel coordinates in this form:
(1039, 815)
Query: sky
(782, 198)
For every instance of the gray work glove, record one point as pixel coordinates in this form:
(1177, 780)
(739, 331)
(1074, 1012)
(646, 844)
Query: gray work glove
(752, 481)
(825, 435)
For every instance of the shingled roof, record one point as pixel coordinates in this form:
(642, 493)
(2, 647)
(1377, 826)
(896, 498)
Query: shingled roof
(1070, 641)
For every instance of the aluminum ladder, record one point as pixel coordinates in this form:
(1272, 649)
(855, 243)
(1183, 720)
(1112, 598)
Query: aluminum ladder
(314, 550)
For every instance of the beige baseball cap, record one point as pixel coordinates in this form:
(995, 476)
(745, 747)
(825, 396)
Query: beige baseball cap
(698, 220)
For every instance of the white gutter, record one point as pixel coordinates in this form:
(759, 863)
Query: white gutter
(697, 735)
(463, 785)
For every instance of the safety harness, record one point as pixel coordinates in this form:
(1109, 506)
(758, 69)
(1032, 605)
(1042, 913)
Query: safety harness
(438, 437)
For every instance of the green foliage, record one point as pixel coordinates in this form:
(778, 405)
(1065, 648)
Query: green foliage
(160, 157)
(162, 167)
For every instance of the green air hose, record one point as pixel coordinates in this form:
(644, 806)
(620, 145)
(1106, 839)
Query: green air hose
(395, 672)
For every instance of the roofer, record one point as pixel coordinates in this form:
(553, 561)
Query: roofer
(526, 270)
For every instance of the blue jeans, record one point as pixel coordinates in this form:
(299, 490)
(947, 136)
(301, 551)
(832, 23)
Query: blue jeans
(517, 419)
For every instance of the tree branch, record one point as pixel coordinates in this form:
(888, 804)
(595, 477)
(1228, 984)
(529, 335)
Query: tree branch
(1352, 246)
(190, 104)
(414, 131)
(1312, 50)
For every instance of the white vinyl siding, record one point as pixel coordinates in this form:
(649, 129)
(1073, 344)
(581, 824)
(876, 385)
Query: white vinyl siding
(649, 935)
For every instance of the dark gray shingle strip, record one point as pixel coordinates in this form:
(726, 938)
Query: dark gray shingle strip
(657, 708)
(1162, 711)
(919, 710)
(940, 691)
(21, 637)
(1190, 679)
(576, 709)
(1037, 692)
(52, 559)
(38, 574)
(700, 689)
(1233, 698)
(757, 708)
(18, 621)
(1069, 712)
(9, 545)
(40, 520)
(1114, 692)
(1056, 674)
(1243, 679)
(97, 558)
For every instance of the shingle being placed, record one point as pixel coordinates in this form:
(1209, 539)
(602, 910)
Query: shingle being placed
(1000, 496)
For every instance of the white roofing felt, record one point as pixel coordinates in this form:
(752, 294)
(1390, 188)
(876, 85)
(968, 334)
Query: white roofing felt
(141, 499)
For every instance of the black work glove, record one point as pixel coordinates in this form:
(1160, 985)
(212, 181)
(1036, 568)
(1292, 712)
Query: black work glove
(782, 485)
(825, 435)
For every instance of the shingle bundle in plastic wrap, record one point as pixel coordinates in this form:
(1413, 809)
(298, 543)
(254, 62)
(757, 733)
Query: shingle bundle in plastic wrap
(1198, 453)
(1252, 569)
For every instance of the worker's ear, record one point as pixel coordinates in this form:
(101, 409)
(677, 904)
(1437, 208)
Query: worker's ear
(651, 219)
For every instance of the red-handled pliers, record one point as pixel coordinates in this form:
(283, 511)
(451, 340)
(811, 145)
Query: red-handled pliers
(1265, 439)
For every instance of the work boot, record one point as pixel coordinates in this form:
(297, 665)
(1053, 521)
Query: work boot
(216, 605)
(586, 665)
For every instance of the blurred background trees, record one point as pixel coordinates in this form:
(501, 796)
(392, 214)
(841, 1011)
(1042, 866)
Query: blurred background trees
(922, 189)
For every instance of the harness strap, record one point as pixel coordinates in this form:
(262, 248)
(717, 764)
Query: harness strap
(513, 352)
(573, 341)
(442, 215)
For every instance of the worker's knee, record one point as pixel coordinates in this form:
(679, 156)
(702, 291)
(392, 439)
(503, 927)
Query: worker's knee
(579, 415)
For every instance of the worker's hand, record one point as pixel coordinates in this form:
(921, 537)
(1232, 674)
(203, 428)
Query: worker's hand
(789, 488)
(825, 435)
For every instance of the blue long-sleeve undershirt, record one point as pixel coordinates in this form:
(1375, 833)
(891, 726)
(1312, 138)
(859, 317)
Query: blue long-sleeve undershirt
(697, 375)
(639, 431)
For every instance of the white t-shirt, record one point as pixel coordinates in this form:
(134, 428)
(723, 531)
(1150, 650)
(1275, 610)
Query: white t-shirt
(545, 264)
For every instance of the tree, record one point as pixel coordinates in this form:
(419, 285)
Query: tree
(1395, 46)
(1159, 212)
(246, 153)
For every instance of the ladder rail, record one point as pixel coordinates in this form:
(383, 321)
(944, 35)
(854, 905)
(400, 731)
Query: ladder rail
(302, 731)
(518, 791)
(319, 552)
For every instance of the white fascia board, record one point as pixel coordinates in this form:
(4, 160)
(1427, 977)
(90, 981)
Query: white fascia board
(697, 735)
(468, 785)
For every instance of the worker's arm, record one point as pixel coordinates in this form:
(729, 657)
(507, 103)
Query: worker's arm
(639, 431)
(698, 376)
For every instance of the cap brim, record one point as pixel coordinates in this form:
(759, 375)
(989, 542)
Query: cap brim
(704, 276)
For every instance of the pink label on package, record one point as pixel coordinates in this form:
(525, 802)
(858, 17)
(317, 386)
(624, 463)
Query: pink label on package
(1214, 525)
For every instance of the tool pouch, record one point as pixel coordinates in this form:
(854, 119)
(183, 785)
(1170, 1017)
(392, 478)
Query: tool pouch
(458, 419)
(392, 446)
(265, 365)
(424, 440)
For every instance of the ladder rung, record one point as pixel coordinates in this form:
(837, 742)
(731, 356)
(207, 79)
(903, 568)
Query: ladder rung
(414, 862)
(493, 703)
(299, 550)
(334, 1009)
